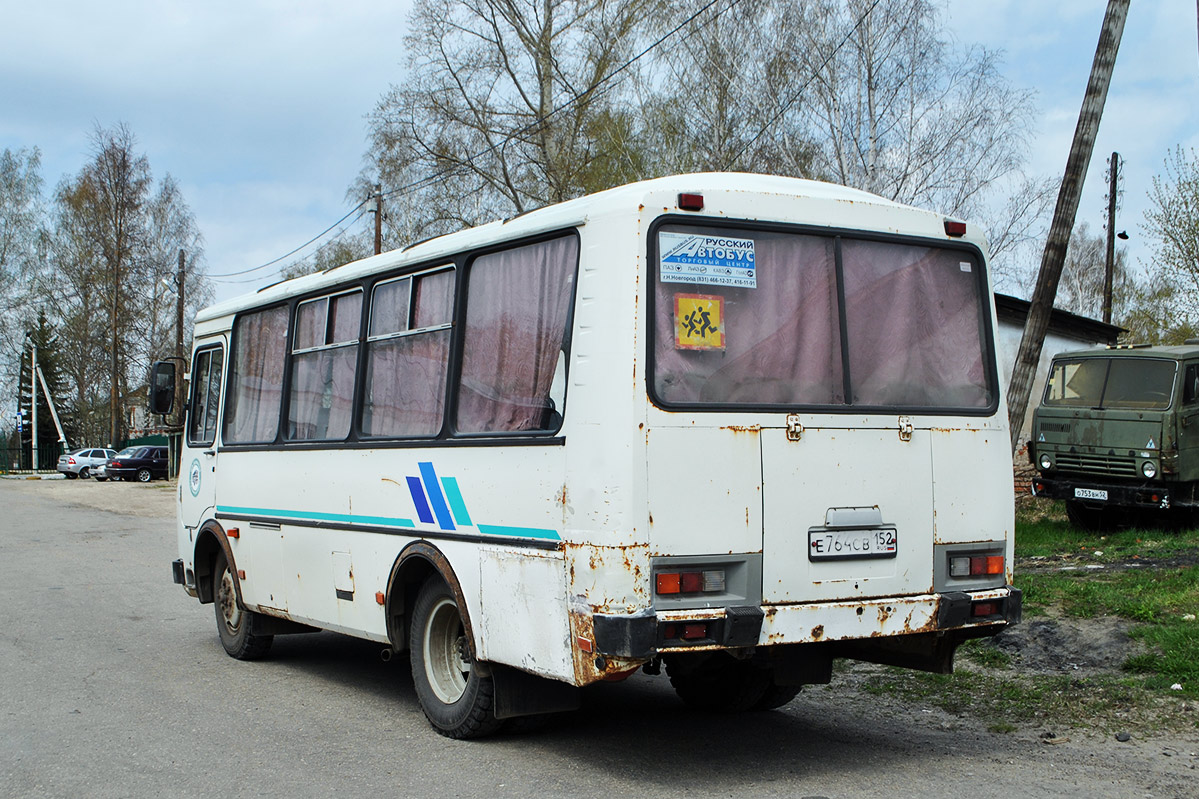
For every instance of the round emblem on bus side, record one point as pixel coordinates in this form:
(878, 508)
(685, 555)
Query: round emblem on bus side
(193, 478)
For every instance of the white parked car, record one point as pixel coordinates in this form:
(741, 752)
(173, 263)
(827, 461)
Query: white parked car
(82, 462)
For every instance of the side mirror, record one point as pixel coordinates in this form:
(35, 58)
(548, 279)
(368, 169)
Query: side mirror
(162, 387)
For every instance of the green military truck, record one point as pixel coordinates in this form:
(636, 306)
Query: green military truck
(1117, 435)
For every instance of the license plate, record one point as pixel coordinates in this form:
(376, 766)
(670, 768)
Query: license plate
(1090, 493)
(850, 544)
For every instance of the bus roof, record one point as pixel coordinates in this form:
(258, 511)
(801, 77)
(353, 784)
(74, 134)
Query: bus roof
(618, 199)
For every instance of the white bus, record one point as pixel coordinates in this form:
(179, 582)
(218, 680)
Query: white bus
(732, 424)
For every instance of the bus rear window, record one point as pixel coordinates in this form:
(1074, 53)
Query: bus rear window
(750, 317)
(1138, 383)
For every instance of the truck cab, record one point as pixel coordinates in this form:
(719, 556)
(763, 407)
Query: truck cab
(1117, 435)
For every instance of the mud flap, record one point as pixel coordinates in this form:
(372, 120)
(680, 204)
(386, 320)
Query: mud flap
(518, 693)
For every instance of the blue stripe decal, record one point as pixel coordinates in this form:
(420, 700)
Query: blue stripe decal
(457, 505)
(418, 499)
(519, 532)
(436, 498)
(348, 518)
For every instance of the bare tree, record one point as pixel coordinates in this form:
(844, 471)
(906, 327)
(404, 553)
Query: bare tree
(21, 237)
(1172, 224)
(1081, 288)
(506, 106)
(115, 247)
(896, 110)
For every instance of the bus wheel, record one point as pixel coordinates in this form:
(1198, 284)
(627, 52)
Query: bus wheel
(456, 699)
(776, 696)
(721, 683)
(232, 620)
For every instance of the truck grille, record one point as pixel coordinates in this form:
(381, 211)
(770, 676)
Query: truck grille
(1103, 464)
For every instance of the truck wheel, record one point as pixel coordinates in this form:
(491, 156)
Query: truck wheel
(456, 699)
(1089, 518)
(720, 683)
(232, 620)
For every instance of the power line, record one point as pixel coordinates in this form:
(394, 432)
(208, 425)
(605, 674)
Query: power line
(293, 252)
(340, 233)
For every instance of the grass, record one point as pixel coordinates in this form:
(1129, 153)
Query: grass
(1149, 577)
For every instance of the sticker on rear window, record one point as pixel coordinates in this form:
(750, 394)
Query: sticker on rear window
(707, 260)
(698, 322)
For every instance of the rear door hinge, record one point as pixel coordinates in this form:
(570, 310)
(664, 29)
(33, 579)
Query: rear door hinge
(794, 428)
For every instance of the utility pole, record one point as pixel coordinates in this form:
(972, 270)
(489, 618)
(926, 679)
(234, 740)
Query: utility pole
(33, 397)
(179, 332)
(1110, 262)
(1029, 354)
(378, 212)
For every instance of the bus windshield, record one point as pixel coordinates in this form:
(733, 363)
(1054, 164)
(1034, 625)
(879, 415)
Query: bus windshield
(754, 317)
(1140, 383)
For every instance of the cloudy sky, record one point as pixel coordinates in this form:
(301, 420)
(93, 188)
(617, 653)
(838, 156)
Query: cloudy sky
(257, 106)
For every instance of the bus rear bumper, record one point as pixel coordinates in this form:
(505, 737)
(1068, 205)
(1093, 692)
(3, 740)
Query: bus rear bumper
(967, 614)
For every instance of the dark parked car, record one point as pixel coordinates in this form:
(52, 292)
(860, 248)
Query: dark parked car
(142, 463)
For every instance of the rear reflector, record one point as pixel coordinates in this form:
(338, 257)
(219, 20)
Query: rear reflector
(693, 631)
(691, 202)
(955, 228)
(984, 609)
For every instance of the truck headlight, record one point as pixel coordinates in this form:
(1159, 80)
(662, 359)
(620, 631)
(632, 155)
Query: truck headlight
(1148, 469)
(1045, 461)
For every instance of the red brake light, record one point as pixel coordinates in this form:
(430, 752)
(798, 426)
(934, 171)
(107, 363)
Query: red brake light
(691, 202)
(955, 228)
(70, 460)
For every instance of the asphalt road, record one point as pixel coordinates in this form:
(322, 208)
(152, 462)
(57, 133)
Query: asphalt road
(114, 685)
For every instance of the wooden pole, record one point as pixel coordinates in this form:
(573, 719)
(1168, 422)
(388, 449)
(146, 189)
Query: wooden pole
(1029, 354)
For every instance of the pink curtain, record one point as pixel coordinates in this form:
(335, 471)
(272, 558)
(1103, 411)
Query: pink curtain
(406, 375)
(517, 311)
(782, 338)
(915, 326)
(256, 379)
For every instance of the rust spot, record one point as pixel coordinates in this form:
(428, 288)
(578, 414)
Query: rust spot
(740, 428)
(817, 632)
(562, 496)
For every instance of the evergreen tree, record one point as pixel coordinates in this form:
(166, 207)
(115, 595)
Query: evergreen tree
(49, 446)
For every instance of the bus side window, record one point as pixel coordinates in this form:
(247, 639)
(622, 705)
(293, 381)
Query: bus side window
(517, 314)
(206, 393)
(1190, 388)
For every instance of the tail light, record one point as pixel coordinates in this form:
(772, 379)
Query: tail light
(975, 565)
(70, 460)
(708, 581)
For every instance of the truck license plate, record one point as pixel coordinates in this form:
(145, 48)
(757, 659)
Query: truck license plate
(1090, 493)
(848, 544)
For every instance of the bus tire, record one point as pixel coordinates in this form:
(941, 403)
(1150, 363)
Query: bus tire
(776, 696)
(720, 683)
(456, 699)
(232, 620)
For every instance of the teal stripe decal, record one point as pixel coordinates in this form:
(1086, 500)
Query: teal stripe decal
(519, 532)
(457, 505)
(315, 516)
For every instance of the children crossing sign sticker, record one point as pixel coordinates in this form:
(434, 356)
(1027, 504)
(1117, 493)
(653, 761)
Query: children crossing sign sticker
(708, 260)
(698, 322)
